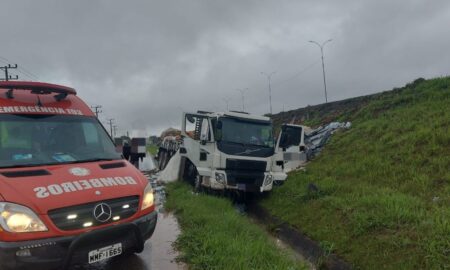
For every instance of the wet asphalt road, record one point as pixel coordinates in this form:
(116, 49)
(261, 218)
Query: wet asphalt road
(158, 252)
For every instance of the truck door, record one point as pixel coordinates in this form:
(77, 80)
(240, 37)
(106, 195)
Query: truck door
(291, 147)
(198, 142)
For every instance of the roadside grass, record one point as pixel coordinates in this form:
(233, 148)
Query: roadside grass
(215, 236)
(152, 149)
(384, 185)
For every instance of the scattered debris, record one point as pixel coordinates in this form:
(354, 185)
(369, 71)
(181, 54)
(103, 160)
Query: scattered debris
(317, 138)
(158, 189)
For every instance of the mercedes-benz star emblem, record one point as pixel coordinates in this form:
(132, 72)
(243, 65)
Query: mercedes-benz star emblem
(78, 171)
(102, 212)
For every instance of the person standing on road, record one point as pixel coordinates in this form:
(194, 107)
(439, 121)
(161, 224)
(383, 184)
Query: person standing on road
(126, 151)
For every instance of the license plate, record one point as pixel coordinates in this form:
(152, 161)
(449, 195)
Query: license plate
(242, 186)
(105, 253)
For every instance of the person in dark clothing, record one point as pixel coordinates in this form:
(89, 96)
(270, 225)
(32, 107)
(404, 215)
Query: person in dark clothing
(134, 159)
(126, 151)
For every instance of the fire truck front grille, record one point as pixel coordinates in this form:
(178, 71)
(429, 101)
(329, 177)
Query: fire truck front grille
(86, 216)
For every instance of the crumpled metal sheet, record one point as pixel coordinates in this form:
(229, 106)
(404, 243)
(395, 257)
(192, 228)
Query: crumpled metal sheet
(316, 139)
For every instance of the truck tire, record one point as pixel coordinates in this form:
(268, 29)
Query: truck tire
(198, 187)
(190, 172)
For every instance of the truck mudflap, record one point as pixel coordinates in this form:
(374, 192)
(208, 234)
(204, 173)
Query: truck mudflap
(63, 252)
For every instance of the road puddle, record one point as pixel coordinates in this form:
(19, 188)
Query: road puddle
(163, 255)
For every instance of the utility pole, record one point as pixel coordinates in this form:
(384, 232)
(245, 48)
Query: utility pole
(7, 76)
(96, 109)
(115, 131)
(243, 97)
(110, 122)
(323, 65)
(269, 77)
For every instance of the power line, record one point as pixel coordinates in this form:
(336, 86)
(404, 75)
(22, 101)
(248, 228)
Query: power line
(278, 83)
(97, 110)
(21, 69)
(27, 74)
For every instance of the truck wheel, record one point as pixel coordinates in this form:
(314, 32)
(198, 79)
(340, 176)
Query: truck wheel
(198, 183)
(190, 173)
(278, 183)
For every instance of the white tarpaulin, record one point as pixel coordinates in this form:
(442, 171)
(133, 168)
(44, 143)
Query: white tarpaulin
(171, 171)
(147, 163)
(316, 139)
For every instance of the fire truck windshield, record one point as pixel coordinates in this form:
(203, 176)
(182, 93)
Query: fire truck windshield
(34, 140)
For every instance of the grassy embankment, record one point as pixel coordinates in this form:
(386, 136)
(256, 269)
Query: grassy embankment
(215, 236)
(152, 149)
(384, 185)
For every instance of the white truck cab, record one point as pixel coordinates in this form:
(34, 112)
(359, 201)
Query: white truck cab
(228, 151)
(290, 151)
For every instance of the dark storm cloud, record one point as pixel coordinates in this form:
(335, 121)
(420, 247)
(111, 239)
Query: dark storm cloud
(147, 61)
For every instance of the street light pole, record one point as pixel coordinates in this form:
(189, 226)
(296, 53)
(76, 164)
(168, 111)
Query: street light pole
(323, 65)
(227, 101)
(243, 97)
(269, 77)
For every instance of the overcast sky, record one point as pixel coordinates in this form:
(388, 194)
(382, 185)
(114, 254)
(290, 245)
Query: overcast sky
(147, 61)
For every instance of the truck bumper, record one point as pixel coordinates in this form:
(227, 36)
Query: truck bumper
(279, 176)
(246, 181)
(62, 252)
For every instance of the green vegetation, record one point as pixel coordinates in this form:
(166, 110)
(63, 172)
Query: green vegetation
(215, 236)
(152, 149)
(384, 185)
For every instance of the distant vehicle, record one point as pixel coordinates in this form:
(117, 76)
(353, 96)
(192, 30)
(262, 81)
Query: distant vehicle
(228, 151)
(66, 195)
(290, 151)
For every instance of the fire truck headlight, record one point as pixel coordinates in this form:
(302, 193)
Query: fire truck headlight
(19, 219)
(148, 197)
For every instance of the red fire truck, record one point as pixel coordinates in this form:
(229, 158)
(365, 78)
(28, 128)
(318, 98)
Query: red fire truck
(66, 195)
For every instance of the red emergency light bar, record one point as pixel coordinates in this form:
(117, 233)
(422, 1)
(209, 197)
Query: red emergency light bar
(38, 88)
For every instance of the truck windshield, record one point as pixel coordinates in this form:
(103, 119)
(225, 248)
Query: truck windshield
(246, 132)
(33, 140)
